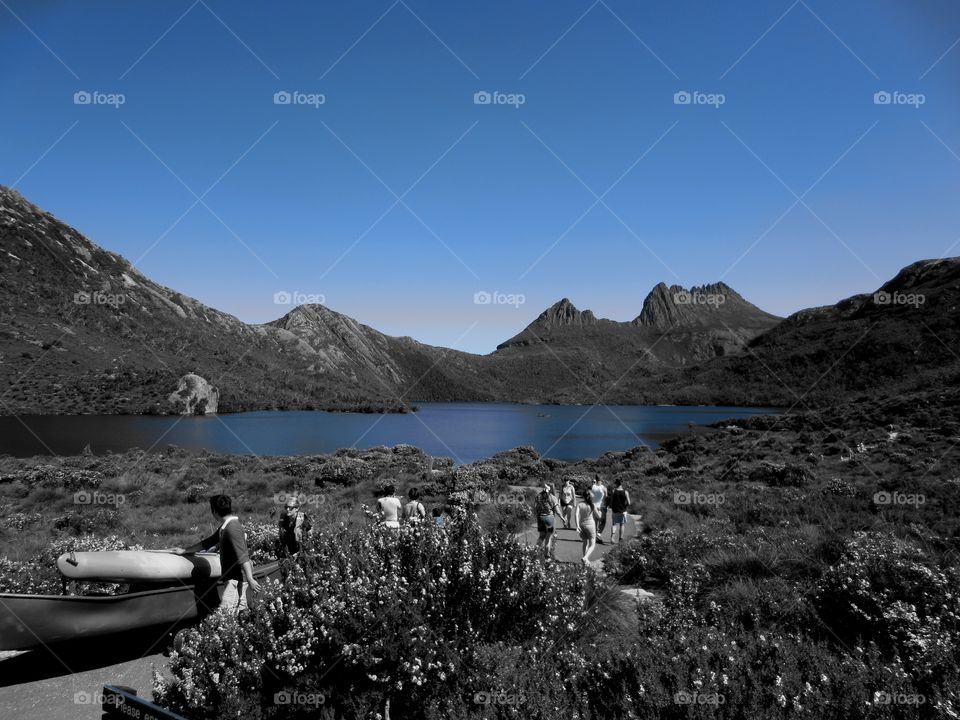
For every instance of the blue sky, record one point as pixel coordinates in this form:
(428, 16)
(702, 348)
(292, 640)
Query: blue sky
(399, 197)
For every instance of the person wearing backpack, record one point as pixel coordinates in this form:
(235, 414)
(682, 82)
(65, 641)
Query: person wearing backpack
(619, 503)
(545, 506)
(599, 491)
(568, 498)
(413, 511)
(587, 514)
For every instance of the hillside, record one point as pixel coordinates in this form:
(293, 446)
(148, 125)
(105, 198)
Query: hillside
(902, 337)
(82, 331)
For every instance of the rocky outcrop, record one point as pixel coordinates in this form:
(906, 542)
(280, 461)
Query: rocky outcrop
(559, 317)
(195, 396)
(715, 305)
(564, 313)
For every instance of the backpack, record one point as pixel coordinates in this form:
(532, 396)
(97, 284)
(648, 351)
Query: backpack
(618, 500)
(543, 505)
(415, 511)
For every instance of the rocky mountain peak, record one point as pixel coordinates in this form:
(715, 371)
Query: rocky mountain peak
(713, 304)
(565, 313)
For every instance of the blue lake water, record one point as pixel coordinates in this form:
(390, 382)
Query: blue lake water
(463, 431)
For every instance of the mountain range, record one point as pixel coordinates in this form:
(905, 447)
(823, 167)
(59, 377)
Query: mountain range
(83, 331)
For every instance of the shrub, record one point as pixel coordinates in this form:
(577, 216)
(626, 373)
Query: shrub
(40, 576)
(883, 590)
(416, 616)
(262, 541)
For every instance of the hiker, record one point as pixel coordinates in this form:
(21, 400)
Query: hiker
(545, 506)
(587, 513)
(235, 565)
(294, 525)
(619, 502)
(389, 508)
(599, 491)
(413, 511)
(568, 496)
(438, 519)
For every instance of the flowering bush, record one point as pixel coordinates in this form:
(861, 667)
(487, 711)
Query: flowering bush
(883, 589)
(370, 616)
(40, 576)
(262, 542)
(63, 477)
(19, 520)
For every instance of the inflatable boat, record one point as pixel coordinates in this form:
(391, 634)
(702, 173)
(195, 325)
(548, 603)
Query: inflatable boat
(133, 566)
(29, 621)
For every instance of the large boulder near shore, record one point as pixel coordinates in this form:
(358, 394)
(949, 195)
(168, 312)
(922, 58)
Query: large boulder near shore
(194, 396)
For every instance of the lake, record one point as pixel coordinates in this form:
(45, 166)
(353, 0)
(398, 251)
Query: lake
(463, 431)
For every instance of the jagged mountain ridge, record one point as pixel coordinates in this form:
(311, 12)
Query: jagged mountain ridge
(676, 327)
(81, 331)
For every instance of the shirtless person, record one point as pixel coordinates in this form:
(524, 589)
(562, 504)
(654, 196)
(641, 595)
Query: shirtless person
(390, 507)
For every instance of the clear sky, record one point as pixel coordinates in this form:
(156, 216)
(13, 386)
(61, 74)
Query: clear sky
(399, 197)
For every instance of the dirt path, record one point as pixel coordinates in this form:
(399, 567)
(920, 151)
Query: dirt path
(568, 547)
(73, 697)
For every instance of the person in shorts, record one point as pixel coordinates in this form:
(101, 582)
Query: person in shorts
(546, 508)
(599, 491)
(619, 503)
(389, 507)
(235, 566)
(568, 498)
(587, 514)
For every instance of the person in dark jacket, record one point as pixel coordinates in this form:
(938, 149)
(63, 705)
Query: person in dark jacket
(235, 566)
(619, 502)
(294, 525)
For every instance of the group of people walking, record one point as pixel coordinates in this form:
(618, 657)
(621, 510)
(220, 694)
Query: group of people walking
(391, 510)
(586, 510)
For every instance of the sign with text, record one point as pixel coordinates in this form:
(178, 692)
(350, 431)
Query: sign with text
(119, 703)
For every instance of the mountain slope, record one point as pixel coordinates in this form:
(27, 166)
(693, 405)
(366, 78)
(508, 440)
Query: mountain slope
(905, 336)
(81, 331)
(396, 367)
